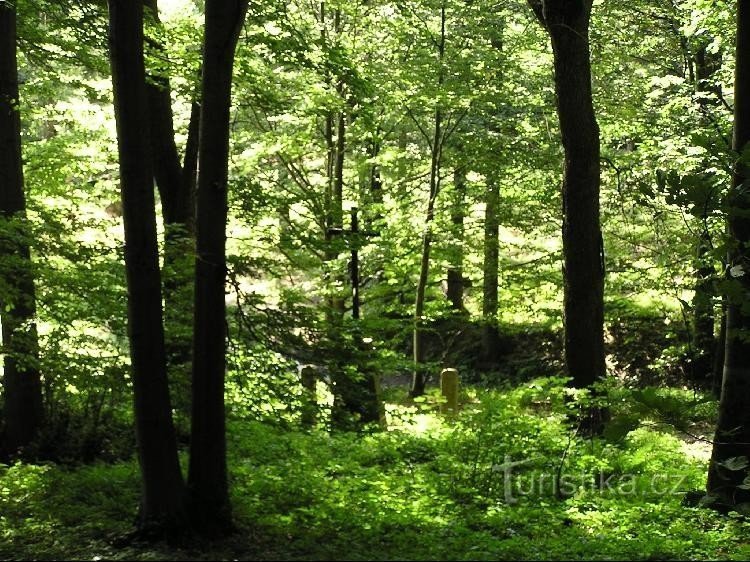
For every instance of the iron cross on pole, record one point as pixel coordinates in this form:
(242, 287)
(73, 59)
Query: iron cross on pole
(355, 242)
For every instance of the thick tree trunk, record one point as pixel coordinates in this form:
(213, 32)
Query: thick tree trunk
(568, 25)
(207, 479)
(22, 388)
(490, 343)
(733, 429)
(163, 497)
(582, 237)
(455, 282)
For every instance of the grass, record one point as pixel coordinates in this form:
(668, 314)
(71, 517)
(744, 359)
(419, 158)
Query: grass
(430, 488)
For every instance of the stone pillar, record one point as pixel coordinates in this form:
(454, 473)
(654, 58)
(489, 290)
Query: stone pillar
(449, 390)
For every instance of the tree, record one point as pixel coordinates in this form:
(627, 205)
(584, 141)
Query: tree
(455, 280)
(163, 491)
(207, 477)
(436, 152)
(728, 468)
(490, 343)
(23, 408)
(567, 23)
(175, 180)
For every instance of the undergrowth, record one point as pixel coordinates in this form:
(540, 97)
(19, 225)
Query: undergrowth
(509, 478)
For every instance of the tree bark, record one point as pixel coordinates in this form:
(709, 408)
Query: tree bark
(567, 22)
(176, 184)
(733, 428)
(22, 388)
(163, 495)
(207, 478)
(167, 164)
(490, 343)
(418, 375)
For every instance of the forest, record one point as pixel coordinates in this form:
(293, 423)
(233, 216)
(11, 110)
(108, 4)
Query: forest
(375, 279)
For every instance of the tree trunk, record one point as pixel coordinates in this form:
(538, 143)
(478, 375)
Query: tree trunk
(21, 380)
(418, 376)
(338, 302)
(455, 290)
(176, 185)
(338, 172)
(490, 343)
(733, 429)
(167, 165)
(568, 25)
(207, 479)
(163, 496)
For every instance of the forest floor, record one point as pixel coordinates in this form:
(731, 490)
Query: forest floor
(507, 479)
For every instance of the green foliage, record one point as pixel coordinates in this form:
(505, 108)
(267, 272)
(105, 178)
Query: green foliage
(423, 491)
(430, 488)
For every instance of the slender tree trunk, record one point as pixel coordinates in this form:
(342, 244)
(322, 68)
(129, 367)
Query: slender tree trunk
(733, 429)
(167, 165)
(338, 303)
(490, 337)
(376, 182)
(338, 172)
(455, 291)
(328, 199)
(418, 376)
(357, 398)
(21, 380)
(568, 25)
(190, 166)
(207, 479)
(176, 184)
(163, 496)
